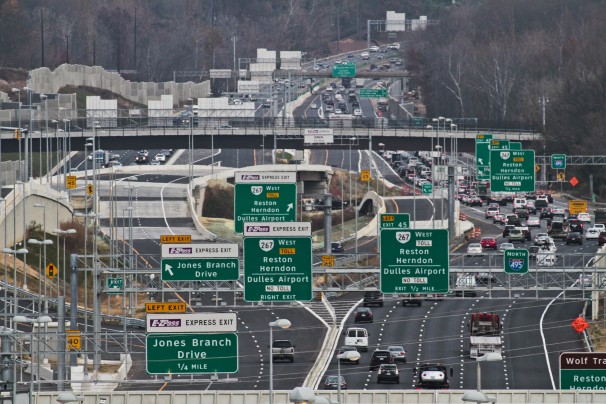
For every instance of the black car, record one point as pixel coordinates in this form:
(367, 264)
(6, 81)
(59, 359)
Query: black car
(410, 300)
(380, 357)
(574, 237)
(332, 382)
(388, 373)
(373, 297)
(602, 238)
(475, 201)
(336, 248)
(522, 213)
(546, 213)
(363, 314)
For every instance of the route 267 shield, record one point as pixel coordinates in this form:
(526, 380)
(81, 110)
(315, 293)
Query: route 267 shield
(516, 264)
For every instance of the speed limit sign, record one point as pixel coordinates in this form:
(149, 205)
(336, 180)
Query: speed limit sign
(74, 340)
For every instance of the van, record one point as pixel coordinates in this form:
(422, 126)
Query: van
(468, 283)
(519, 203)
(546, 259)
(357, 337)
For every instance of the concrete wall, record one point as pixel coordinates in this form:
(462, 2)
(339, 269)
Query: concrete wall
(57, 211)
(43, 80)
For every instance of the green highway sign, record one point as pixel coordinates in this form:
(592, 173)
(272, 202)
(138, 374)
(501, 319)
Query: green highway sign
(426, 188)
(394, 220)
(515, 145)
(512, 170)
(191, 353)
(200, 262)
(115, 285)
(373, 93)
(483, 137)
(344, 70)
(201, 269)
(515, 261)
(277, 262)
(558, 161)
(499, 144)
(583, 371)
(264, 197)
(482, 160)
(414, 261)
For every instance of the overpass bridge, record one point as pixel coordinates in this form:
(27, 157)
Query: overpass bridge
(291, 135)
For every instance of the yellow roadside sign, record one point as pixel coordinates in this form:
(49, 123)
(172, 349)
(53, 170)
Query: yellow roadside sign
(165, 307)
(51, 270)
(537, 168)
(561, 176)
(175, 239)
(74, 340)
(365, 175)
(70, 182)
(90, 189)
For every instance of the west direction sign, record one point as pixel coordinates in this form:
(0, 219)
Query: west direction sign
(512, 170)
(414, 261)
(192, 322)
(200, 262)
(191, 353)
(277, 261)
(264, 197)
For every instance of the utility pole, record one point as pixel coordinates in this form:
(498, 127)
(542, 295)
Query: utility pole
(544, 101)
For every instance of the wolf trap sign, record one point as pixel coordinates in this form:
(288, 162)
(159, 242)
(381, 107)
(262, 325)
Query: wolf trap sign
(512, 170)
(414, 261)
(264, 197)
(277, 261)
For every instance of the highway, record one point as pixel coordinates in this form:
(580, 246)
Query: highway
(434, 332)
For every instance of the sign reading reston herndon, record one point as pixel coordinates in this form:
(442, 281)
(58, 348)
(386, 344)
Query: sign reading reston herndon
(264, 197)
(512, 170)
(277, 261)
(200, 262)
(191, 353)
(583, 371)
(414, 261)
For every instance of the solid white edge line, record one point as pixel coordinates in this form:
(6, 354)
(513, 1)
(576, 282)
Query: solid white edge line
(544, 342)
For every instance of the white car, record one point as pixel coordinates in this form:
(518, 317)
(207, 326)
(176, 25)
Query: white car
(599, 226)
(584, 217)
(313, 105)
(474, 249)
(357, 112)
(592, 234)
(394, 45)
(506, 246)
(374, 48)
(154, 162)
(541, 239)
(338, 111)
(329, 108)
(364, 55)
(160, 157)
(533, 221)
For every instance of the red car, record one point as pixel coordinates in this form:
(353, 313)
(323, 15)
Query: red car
(489, 242)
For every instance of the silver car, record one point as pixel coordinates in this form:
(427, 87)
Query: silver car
(398, 353)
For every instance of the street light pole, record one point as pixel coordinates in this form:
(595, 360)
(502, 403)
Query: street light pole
(349, 355)
(18, 91)
(279, 323)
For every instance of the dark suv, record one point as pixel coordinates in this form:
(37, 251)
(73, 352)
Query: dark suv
(380, 357)
(373, 297)
(546, 213)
